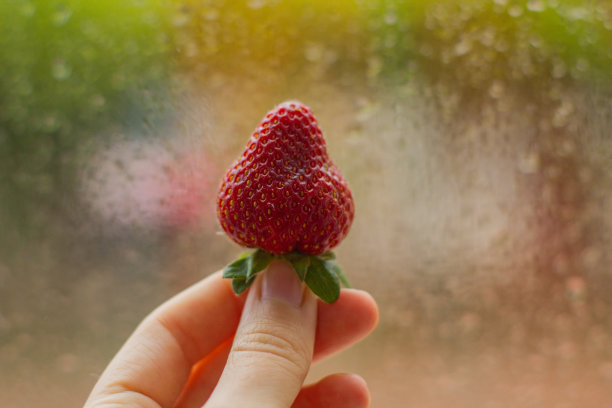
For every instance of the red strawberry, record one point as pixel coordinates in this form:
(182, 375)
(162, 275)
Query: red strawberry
(284, 193)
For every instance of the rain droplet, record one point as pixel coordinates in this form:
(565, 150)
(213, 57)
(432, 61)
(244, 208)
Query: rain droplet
(256, 4)
(50, 123)
(515, 11)
(582, 65)
(180, 19)
(590, 256)
(563, 113)
(375, 66)
(576, 288)
(535, 42)
(497, 89)
(426, 50)
(62, 15)
(98, 101)
(577, 13)
(463, 47)
(559, 70)
(61, 70)
(313, 52)
(501, 46)
(536, 6)
(487, 37)
(390, 18)
(28, 9)
(211, 14)
(529, 163)
(191, 49)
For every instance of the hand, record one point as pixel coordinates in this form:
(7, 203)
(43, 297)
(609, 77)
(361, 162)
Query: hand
(207, 346)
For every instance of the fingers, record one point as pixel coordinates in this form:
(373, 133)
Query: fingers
(337, 390)
(352, 317)
(339, 325)
(273, 346)
(190, 326)
(156, 361)
(204, 378)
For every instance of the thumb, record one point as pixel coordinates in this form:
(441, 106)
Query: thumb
(272, 349)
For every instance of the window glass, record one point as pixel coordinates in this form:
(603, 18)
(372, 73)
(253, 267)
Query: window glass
(475, 135)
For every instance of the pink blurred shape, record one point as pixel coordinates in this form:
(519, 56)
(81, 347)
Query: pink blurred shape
(144, 184)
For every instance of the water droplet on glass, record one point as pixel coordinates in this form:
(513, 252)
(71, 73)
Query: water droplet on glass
(497, 89)
(390, 42)
(535, 42)
(582, 65)
(60, 69)
(577, 13)
(313, 52)
(390, 18)
(49, 123)
(576, 288)
(256, 4)
(536, 6)
(191, 49)
(61, 15)
(28, 9)
(501, 46)
(590, 256)
(529, 162)
(211, 14)
(180, 19)
(563, 114)
(426, 50)
(487, 37)
(558, 70)
(98, 101)
(463, 47)
(375, 65)
(515, 11)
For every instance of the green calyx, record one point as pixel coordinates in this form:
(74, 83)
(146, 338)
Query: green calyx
(320, 273)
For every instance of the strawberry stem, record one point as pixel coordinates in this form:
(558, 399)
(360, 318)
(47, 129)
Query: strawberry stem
(320, 273)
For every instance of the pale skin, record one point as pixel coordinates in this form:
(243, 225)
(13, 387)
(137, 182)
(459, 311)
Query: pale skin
(207, 347)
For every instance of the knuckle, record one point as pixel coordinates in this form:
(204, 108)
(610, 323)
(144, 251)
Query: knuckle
(279, 346)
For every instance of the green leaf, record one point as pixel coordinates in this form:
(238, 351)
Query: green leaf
(327, 256)
(259, 261)
(237, 269)
(241, 284)
(322, 280)
(338, 271)
(300, 265)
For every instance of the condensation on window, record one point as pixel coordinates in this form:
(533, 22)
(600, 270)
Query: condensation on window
(476, 137)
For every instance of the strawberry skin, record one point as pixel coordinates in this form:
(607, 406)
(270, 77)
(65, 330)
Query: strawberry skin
(284, 193)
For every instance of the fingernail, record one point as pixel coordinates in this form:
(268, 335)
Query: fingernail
(280, 282)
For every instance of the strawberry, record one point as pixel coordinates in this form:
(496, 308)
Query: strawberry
(287, 198)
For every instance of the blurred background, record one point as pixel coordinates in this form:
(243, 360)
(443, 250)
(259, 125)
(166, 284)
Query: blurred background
(476, 136)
